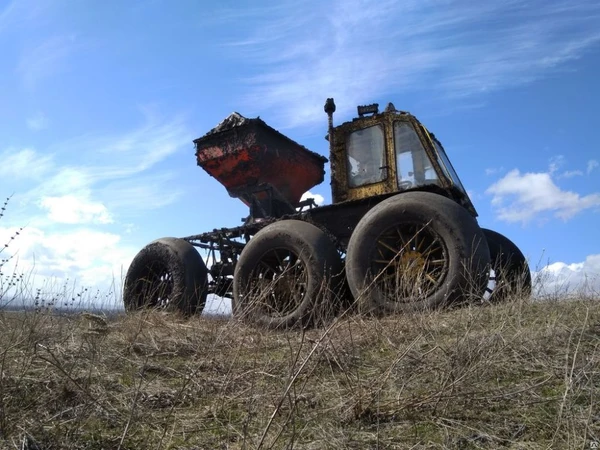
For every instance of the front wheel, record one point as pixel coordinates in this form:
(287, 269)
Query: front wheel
(284, 275)
(169, 274)
(511, 272)
(416, 251)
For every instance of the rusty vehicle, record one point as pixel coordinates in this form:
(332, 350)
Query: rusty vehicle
(400, 234)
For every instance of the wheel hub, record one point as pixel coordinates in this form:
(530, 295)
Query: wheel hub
(410, 262)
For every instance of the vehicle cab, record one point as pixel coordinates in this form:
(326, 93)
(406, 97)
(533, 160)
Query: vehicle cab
(389, 152)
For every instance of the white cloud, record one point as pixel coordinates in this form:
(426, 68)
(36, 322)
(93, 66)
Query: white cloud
(560, 279)
(522, 197)
(88, 257)
(81, 258)
(349, 49)
(38, 122)
(591, 165)
(319, 199)
(75, 210)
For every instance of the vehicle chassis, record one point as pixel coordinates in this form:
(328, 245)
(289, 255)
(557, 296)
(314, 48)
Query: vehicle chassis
(224, 245)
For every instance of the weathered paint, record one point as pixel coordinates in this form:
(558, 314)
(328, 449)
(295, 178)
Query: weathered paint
(252, 154)
(340, 189)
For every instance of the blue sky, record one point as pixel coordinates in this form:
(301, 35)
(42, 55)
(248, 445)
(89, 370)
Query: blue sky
(100, 102)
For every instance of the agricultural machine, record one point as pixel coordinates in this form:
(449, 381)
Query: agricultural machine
(400, 235)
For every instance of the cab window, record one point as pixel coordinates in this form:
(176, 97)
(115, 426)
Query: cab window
(447, 166)
(413, 166)
(365, 150)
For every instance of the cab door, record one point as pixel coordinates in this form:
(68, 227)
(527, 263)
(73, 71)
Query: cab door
(367, 170)
(412, 163)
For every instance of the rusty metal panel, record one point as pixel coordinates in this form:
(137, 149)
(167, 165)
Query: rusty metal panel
(246, 153)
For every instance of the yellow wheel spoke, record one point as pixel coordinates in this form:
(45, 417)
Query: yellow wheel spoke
(436, 262)
(429, 277)
(390, 248)
(401, 237)
(386, 262)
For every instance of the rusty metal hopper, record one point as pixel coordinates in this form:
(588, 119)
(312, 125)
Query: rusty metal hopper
(245, 154)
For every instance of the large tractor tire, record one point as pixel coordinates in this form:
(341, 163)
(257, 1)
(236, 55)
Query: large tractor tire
(169, 274)
(511, 272)
(285, 275)
(416, 251)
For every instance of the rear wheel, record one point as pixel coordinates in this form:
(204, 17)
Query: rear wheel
(168, 273)
(284, 276)
(416, 251)
(511, 272)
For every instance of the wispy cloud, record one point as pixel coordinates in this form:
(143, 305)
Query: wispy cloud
(38, 122)
(144, 192)
(117, 177)
(571, 174)
(26, 164)
(74, 211)
(63, 184)
(45, 59)
(357, 50)
(493, 170)
(18, 12)
(555, 163)
(9, 12)
(129, 153)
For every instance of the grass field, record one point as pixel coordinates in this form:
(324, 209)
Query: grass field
(516, 375)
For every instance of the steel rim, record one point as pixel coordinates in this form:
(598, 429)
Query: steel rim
(409, 262)
(278, 283)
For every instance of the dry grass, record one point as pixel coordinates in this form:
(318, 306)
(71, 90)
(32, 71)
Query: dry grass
(515, 375)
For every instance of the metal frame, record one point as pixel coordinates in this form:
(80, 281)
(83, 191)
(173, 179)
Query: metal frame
(338, 219)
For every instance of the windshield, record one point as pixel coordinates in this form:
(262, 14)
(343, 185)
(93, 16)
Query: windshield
(366, 156)
(413, 166)
(447, 165)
